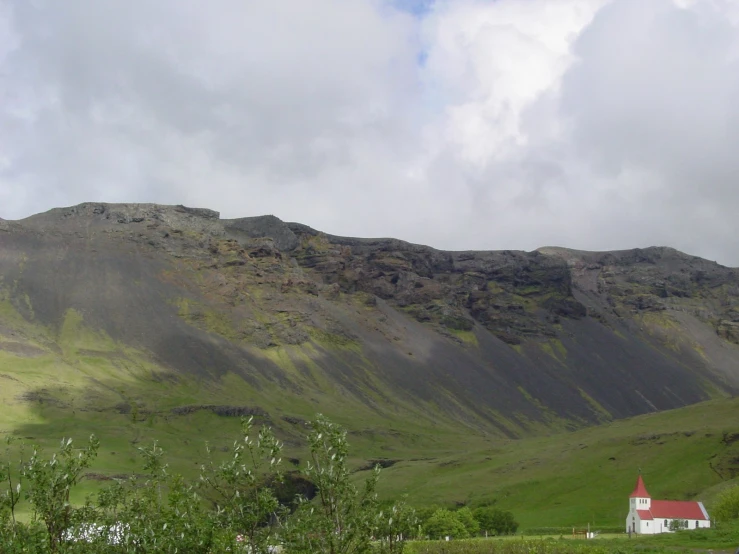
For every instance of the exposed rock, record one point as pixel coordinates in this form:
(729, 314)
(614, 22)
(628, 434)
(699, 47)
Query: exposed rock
(224, 411)
(292, 311)
(261, 227)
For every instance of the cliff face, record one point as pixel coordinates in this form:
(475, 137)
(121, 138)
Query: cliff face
(509, 342)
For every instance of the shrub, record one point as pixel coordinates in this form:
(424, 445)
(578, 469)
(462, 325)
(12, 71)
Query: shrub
(496, 521)
(726, 507)
(471, 525)
(443, 523)
(342, 518)
(50, 482)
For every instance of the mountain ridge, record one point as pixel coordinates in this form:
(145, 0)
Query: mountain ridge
(508, 342)
(131, 209)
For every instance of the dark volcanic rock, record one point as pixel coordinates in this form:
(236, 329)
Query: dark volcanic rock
(507, 292)
(224, 411)
(501, 341)
(260, 227)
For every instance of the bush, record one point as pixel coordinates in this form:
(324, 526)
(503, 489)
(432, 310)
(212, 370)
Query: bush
(495, 521)
(471, 525)
(443, 523)
(726, 507)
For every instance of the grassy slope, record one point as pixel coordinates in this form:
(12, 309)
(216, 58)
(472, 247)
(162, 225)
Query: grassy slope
(570, 479)
(564, 479)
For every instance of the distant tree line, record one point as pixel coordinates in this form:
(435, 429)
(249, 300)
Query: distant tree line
(439, 523)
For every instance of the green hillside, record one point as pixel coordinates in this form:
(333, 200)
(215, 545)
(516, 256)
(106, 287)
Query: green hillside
(571, 479)
(473, 376)
(565, 479)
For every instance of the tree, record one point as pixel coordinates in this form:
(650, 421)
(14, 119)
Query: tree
(12, 495)
(50, 483)
(240, 487)
(726, 507)
(166, 514)
(342, 518)
(425, 513)
(393, 526)
(468, 520)
(495, 521)
(443, 523)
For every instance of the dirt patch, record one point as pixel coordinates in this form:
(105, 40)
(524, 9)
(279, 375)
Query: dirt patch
(295, 420)
(21, 349)
(101, 354)
(42, 396)
(653, 438)
(384, 463)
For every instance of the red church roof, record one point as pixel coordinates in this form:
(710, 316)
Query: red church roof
(676, 509)
(640, 490)
(667, 509)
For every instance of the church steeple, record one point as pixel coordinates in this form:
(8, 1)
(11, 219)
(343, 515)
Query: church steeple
(640, 499)
(640, 491)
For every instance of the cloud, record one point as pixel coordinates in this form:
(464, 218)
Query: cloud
(461, 124)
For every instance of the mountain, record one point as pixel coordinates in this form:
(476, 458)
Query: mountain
(169, 311)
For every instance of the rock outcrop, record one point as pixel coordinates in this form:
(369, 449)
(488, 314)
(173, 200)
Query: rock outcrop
(507, 341)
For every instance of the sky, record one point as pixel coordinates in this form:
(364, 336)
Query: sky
(461, 124)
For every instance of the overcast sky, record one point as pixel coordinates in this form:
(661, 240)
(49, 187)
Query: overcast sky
(462, 124)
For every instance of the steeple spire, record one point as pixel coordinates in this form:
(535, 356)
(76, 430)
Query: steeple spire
(640, 491)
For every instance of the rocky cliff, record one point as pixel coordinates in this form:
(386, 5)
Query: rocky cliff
(509, 342)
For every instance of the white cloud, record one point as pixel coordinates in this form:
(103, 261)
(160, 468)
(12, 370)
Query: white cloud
(586, 123)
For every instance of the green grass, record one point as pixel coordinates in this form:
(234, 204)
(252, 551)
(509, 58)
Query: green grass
(467, 337)
(564, 479)
(703, 540)
(569, 479)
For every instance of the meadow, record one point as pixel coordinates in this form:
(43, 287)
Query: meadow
(722, 540)
(564, 480)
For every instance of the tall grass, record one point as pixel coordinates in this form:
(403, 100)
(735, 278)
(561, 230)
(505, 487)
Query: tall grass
(545, 546)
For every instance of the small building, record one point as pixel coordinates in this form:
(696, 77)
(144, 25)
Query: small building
(649, 517)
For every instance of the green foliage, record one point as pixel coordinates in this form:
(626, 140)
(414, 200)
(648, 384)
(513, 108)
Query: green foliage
(482, 546)
(232, 507)
(342, 519)
(240, 490)
(726, 507)
(468, 520)
(564, 531)
(424, 513)
(393, 526)
(50, 482)
(166, 514)
(678, 524)
(495, 521)
(11, 493)
(445, 523)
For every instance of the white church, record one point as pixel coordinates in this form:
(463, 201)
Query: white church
(649, 517)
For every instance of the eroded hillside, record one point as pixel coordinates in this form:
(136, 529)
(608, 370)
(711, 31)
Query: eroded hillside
(158, 308)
